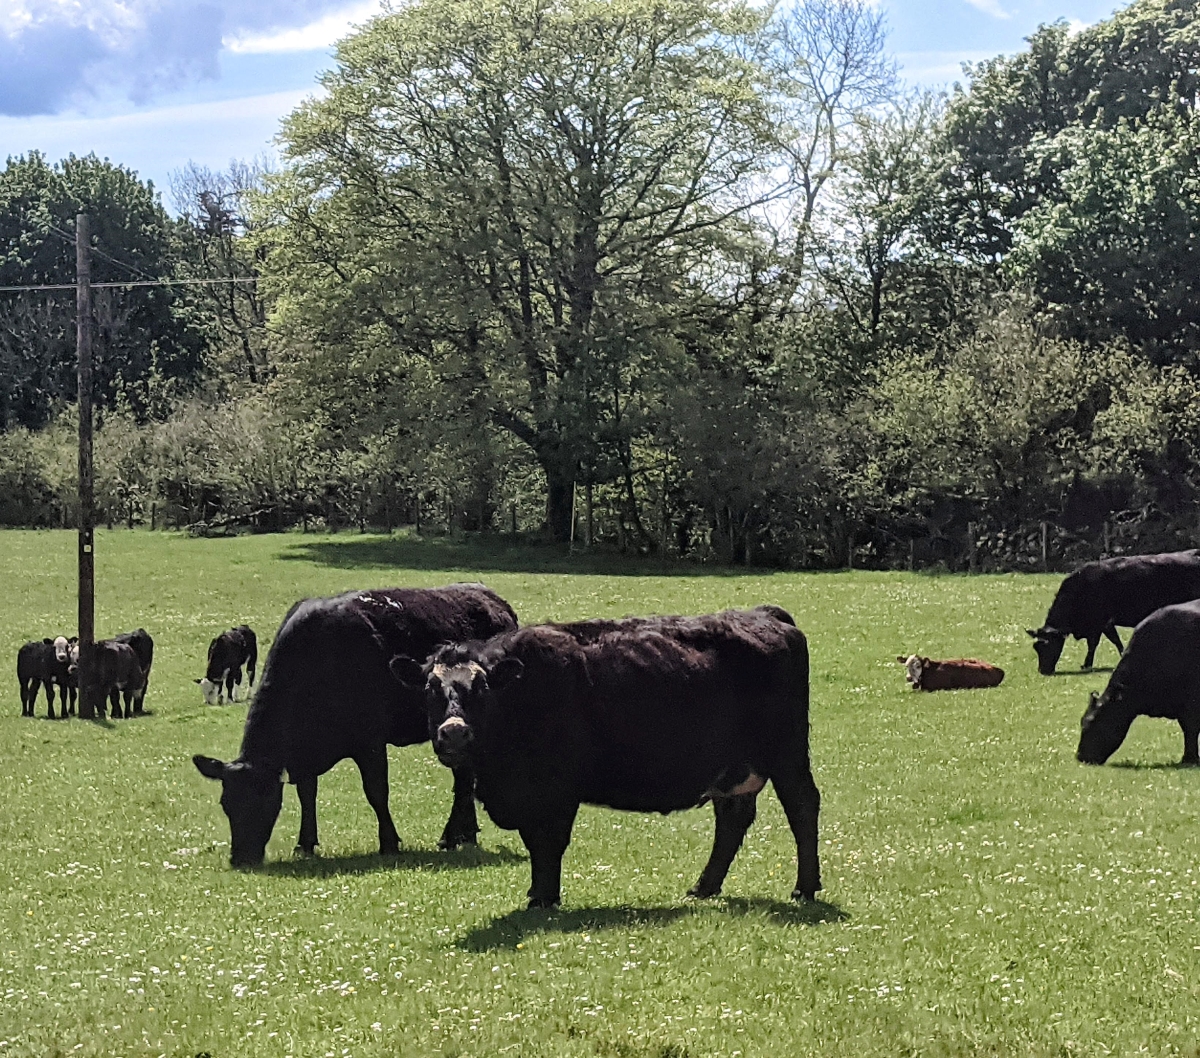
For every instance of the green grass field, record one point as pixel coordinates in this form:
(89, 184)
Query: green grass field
(984, 893)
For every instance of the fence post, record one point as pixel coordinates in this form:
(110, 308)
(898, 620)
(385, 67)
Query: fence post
(1045, 551)
(912, 554)
(153, 516)
(972, 557)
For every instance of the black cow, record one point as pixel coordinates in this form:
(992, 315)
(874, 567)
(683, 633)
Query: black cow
(1158, 675)
(644, 714)
(226, 656)
(115, 675)
(326, 695)
(46, 664)
(143, 647)
(119, 673)
(1099, 596)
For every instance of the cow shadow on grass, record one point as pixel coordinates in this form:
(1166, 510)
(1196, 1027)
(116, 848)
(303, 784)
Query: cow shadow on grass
(507, 931)
(1094, 671)
(476, 558)
(1155, 765)
(466, 858)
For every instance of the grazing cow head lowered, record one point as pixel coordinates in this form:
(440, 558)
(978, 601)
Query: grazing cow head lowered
(459, 692)
(1104, 726)
(210, 690)
(252, 796)
(1048, 643)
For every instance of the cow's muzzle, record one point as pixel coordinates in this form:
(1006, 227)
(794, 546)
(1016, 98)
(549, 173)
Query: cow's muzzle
(452, 739)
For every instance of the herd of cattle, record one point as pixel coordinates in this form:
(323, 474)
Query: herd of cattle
(654, 714)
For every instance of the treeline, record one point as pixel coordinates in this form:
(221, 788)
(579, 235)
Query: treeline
(666, 276)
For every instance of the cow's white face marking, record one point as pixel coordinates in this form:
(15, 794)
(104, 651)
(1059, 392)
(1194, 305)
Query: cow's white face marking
(452, 722)
(210, 690)
(62, 649)
(913, 667)
(441, 672)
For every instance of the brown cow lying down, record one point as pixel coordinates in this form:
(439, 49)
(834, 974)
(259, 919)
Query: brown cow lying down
(925, 674)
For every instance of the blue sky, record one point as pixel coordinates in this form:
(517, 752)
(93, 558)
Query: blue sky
(154, 84)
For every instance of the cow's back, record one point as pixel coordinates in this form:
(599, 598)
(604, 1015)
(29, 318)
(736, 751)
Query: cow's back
(1123, 591)
(326, 690)
(1160, 669)
(647, 712)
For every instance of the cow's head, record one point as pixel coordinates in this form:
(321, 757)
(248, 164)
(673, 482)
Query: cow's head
(210, 690)
(62, 648)
(73, 656)
(251, 796)
(459, 691)
(913, 668)
(1048, 642)
(1104, 726)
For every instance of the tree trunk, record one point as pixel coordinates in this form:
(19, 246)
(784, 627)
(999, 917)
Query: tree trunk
(560, 487)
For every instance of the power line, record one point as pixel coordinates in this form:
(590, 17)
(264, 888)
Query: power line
(66, 236)
(131, 283)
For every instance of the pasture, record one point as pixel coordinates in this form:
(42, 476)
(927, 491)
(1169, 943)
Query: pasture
(984, 893)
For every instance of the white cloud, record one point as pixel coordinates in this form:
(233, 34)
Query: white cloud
(934, 68)
(990, 7)
(1076, 26)
(311, 37)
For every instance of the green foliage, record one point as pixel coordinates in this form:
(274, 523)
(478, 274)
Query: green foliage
(138, 331)
(975, 874)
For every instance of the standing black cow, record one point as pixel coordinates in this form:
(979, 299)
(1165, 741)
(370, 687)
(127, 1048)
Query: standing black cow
(1158, 675)
(1099, 596)
(119, 671)
(45, 664)
(143, 646)
(226, 656)
(326, 695)
(644, 714)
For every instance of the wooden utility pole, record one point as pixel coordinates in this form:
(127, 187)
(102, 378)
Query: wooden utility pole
(87, 512)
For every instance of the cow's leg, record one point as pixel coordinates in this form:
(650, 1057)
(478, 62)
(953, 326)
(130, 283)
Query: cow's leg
(230, 686)
(1113, 638)
(734, 816)
(74, 695)
(128, 695)
(462, 826)
(1191, 735)
(801, 802)
(29, 697)
(373, 768)
(114, 704)
(546, 841)
(306, 790)
(1093, 641)
(139, 697)
(49, 685)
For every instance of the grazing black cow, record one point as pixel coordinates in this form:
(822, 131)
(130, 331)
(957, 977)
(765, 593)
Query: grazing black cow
(644, 714)
(1158, 675)
(326, 695)
(1099, 596)
(226, 656)
(46, 664)
(143, 647)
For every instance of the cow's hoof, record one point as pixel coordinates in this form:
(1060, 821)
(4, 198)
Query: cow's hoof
(389, 850)
(449, 844)
(304, 853)
(704, 892)
(543, 902)
(808, 895)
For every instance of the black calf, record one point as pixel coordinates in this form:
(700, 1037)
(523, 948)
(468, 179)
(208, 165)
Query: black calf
(226, 656)
(45, 664)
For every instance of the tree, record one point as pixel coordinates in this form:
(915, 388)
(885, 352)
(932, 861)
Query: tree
(519, 195)
(141, 332)
(218, 244)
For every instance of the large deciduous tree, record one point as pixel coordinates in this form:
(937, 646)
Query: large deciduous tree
(519, 197)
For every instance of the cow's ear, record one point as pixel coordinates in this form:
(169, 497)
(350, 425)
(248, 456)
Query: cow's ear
(209, 767)
(73, 639)
(1031, 633)
(505, 671)
(196, 681)
(48, 641)
(901, 658)
(407, 672)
